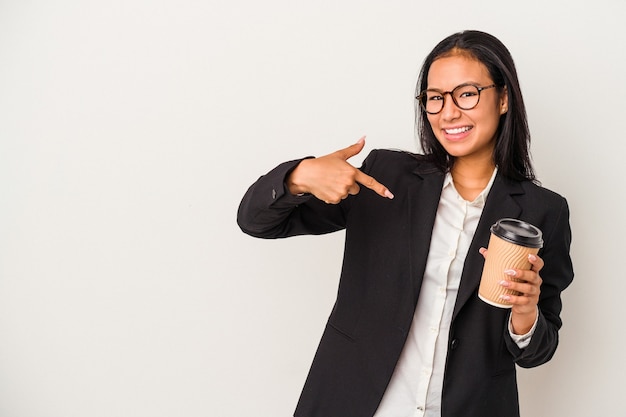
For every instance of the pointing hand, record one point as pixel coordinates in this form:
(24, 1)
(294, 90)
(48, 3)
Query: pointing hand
(331, 178)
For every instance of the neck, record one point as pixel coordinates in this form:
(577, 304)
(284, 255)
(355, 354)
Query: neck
(471, 179)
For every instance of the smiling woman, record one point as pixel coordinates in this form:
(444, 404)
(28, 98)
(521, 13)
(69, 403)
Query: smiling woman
(408, 334)
(465, 126)
(482, 61)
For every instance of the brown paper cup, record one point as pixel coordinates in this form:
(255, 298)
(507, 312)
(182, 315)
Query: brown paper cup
(510, 244)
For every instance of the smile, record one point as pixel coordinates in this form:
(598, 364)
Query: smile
(457, 130)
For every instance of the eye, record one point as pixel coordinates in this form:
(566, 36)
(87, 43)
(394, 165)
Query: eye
(468, 93)
(433, 96)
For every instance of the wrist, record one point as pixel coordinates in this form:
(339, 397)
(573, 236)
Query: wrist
(293, 181)
(522, 323)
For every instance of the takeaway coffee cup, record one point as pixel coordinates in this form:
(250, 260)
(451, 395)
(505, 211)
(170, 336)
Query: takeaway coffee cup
(510, 244)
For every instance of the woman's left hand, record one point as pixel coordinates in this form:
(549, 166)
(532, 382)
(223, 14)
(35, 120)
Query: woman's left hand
(524, 305)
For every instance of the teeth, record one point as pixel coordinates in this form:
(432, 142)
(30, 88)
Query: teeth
(457, 130)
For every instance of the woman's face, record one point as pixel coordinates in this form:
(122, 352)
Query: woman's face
(466, 134)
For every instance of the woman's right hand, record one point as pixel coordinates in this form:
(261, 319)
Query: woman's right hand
(331, 178)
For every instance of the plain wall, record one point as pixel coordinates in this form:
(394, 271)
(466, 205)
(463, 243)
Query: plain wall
(130, 129)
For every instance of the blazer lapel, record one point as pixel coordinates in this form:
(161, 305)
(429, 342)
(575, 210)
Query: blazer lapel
(500, 204)
(424, 198)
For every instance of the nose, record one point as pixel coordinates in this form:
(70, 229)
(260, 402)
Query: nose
(450, 111)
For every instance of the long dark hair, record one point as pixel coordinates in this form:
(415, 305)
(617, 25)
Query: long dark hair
(512, 153)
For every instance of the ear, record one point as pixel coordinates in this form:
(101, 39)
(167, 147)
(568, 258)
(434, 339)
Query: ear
(504, 101)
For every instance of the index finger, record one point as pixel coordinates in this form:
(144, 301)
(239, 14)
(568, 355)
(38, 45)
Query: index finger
(372, 184)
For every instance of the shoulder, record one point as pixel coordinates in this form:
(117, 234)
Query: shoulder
(543, 194)
(398, 160)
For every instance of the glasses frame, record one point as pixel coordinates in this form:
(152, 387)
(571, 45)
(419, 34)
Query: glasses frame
(443, 95)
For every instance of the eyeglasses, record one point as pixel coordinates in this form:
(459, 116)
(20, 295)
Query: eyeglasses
(465, 96)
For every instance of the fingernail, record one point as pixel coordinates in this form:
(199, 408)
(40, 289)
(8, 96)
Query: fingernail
(532, 257)
(482, 250)
(388, 194)
(505, 297)
(361, 140)
(504, 283)
(510, 272)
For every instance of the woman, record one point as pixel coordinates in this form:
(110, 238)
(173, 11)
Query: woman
(408, 334)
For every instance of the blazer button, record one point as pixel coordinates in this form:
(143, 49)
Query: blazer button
(454, 344)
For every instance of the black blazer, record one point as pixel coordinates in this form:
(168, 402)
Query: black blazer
(387, 243)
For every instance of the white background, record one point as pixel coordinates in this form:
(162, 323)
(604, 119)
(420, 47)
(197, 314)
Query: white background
(130, 129)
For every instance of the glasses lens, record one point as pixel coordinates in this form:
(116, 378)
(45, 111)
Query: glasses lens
(432, 101)
(466, 96)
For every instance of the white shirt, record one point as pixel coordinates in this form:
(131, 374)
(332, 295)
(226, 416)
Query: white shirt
(417, 382)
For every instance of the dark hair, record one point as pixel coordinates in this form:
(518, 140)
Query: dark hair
(511, 154)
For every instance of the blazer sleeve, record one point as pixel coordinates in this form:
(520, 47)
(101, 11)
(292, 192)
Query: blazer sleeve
(268, 210)
(556, 274)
